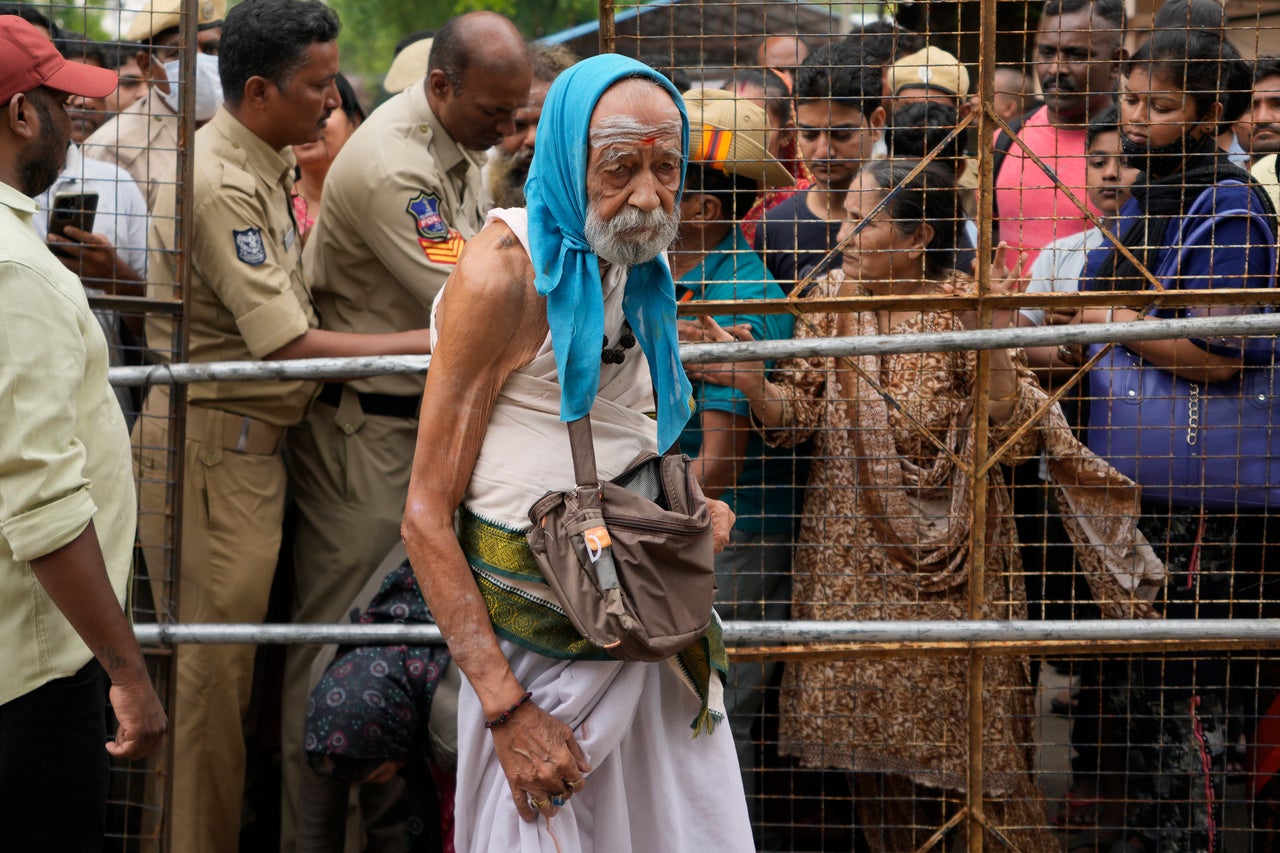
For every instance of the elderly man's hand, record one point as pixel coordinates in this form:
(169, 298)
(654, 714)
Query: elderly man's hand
(541, 759)
(722, 519)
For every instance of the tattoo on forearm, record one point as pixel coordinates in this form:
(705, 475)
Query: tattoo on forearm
(111, 659)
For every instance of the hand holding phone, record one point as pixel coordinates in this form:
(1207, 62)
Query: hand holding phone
(75, 210)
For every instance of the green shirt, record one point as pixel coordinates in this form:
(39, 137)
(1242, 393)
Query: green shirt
(764, 498)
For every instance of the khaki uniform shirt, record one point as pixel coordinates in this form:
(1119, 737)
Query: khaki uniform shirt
(399, 202)
(64, 450)
(248, 296)
(142, 140)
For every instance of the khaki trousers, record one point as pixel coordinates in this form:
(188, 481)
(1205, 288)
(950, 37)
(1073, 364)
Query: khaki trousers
(232, 510)
(349, 476)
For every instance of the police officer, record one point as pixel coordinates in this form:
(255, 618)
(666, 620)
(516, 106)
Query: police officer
(143, 138)
(248, 300)
(399, 202)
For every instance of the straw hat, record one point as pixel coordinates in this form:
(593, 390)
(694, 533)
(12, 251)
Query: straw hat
(160, 15)
(409, 66)
(731, 134)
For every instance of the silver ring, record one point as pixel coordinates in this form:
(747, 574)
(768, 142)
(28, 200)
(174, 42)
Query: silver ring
(558, 800)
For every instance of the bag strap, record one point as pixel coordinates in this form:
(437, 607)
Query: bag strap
(583, 448)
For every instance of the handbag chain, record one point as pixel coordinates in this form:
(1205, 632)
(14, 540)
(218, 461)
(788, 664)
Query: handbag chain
(1193, 414)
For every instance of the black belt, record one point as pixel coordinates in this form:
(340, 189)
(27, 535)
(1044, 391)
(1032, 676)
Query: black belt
(383, 405)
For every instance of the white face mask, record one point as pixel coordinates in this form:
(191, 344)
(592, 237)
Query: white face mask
(208, 86)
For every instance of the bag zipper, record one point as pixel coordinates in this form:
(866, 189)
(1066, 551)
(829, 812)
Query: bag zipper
(649, 524)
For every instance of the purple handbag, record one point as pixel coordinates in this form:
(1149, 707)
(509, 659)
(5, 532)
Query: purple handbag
(1214, 444)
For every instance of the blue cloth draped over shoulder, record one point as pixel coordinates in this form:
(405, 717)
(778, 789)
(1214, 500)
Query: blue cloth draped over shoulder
(568, 272)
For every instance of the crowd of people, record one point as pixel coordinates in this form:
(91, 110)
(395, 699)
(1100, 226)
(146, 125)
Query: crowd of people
(507, 208)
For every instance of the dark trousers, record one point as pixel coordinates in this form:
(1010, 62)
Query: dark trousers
(54, 766)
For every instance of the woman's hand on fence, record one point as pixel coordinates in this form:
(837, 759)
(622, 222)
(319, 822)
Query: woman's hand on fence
(736, 374)
(542, 761)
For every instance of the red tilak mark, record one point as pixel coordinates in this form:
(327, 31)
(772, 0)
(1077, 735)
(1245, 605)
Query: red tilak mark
(648, 140)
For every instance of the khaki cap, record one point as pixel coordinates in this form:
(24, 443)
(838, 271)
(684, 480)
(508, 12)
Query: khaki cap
(931, 68)
(731, 135)
(160, 15)
(409, 66)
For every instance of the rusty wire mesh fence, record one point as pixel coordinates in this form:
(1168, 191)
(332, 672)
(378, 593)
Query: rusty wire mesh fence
(853, 171)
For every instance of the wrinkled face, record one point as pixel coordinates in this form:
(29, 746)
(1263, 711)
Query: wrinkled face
(520, 142)
(1264, 116)
(302, 105)
(131, 89)
(835, 140)
(1076, 61)
(1107, 175)
(880, 252)
(482, 111)
(1155, 111)
(633, 173)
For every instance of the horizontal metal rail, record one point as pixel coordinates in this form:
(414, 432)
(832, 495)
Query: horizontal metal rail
(774, 640)
(977, 339)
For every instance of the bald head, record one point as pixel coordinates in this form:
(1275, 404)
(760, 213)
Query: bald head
(483, 41)
(479, 74)
(782, 52)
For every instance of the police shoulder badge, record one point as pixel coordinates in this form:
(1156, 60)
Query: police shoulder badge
(249, 246)
(425, 210)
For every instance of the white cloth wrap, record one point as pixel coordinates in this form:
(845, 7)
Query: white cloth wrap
(652, 787)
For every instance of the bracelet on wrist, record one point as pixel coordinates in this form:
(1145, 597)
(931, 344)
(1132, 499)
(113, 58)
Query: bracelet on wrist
(506, 715)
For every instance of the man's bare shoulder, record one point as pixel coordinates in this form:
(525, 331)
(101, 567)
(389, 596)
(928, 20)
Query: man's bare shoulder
(495, 266)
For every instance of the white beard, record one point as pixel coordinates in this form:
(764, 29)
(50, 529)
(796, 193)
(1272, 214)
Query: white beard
(632, 236)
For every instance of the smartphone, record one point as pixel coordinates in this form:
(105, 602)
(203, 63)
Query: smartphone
(75, 210)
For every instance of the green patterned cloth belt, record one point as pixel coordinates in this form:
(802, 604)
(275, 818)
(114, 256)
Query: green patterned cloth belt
(524, 611)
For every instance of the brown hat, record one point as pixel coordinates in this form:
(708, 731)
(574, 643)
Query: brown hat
(731, 135)
(931, 68)
(409, 66)
(160, 15)
(28, 60)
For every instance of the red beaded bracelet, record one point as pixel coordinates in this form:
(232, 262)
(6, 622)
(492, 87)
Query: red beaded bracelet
(506, 715)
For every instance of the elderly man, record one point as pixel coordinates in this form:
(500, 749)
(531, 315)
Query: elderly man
(67, 510)
(560, 746)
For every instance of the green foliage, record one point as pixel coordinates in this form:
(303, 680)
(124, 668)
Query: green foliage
(371, 28)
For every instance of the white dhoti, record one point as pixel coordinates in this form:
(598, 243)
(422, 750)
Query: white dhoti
(652, 787)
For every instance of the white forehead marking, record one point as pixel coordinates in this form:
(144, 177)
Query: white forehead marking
(609, 131)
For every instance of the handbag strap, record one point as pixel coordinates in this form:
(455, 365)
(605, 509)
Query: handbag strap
(583, 448)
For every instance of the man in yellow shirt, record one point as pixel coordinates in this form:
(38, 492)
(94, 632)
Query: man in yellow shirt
(64, 554)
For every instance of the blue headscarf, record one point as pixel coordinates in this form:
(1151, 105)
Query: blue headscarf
(568, 272)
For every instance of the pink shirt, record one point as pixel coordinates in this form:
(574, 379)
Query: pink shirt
(1033, 211)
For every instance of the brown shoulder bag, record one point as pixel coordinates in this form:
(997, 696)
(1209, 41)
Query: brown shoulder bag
(632, 560)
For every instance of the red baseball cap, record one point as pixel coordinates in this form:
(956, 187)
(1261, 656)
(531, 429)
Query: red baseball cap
(29, 60)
